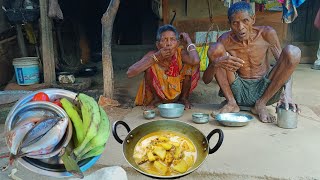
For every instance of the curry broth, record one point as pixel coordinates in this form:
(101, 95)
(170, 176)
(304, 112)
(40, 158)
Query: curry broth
(165, 153)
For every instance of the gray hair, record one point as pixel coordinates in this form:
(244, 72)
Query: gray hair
(165, 28)
(239, 7)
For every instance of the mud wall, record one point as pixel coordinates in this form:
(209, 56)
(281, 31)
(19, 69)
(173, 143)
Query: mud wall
(8, 51)
(123, 56)
(3, 22)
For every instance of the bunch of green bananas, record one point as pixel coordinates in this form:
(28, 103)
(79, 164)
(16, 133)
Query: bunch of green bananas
(91, 126)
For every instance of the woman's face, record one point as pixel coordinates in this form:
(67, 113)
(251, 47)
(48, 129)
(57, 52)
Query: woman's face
(168, 39)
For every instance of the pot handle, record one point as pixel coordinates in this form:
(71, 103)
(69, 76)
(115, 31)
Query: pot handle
(217, 146)
(114, 130)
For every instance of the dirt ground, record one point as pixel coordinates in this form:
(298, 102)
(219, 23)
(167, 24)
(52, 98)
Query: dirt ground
(125, 91)
(280, 147)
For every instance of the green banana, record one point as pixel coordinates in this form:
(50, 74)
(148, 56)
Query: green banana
(86, 106)
(91, 120)
(102, 135)
(75, 118)
(74, 137)
(94, 152)
(78, 110)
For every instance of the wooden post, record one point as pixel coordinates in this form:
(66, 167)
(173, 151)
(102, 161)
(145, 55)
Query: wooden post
(21, 43)
(165, 11)
(107, 27)
(47, 44)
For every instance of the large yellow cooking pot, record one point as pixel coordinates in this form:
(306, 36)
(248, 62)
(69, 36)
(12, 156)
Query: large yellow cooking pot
(200, 141)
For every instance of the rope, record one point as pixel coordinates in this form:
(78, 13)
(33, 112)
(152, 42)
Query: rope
(210, 11)
(210, 14)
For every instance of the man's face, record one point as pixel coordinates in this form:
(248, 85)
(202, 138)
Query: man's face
(241, 24)
(168, 39)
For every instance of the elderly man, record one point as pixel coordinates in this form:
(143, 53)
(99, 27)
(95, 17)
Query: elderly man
(240, 65)
(171, 72)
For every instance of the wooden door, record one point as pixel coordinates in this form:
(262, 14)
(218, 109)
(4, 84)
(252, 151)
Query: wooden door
(302, 29)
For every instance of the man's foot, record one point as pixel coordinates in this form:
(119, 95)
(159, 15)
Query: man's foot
(262, 111)
(186, 103)
(227, 108)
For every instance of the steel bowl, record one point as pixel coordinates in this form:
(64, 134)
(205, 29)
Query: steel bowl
(149, 114)
(39, 109)
(233, 119)
(52, 166)
(200, 118)
(171, 110)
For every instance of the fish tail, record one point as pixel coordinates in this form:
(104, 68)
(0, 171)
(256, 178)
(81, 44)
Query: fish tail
(12, 158)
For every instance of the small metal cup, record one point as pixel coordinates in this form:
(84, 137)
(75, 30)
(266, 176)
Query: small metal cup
(149, 114)
(287, 119)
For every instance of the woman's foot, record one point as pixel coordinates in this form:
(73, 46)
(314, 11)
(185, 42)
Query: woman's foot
(186, 103)
(153, 104)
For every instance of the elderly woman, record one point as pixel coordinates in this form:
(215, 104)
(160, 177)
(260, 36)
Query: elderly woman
(171, 72)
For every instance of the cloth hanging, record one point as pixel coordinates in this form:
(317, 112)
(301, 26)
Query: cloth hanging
(228, 3)
(55, 11)
(290, 10)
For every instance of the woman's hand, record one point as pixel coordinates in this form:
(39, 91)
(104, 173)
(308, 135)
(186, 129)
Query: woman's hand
(166, 53)
(184, 39)
(164, 56)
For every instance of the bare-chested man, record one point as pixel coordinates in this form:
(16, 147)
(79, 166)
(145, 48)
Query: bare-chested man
(170, 72)
(239, 63)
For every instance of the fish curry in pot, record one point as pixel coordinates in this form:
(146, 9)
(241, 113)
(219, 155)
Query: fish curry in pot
(165, 153)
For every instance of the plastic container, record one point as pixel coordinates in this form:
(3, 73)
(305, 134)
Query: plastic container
(26, 70)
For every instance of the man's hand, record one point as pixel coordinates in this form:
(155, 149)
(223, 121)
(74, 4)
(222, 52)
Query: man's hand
(286, 98)
(229, 63)
(286, 101)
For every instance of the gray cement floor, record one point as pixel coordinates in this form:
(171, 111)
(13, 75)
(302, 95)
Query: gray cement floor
(256, 151)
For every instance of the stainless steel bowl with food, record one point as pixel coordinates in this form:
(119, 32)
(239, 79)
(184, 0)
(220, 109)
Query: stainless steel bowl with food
(50, 164)
(171, 110)
(233, 119)
(41, 112)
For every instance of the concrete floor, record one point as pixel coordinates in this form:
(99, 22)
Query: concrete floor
(256, 151)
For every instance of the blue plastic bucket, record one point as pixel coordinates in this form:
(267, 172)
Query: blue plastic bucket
(27, 70)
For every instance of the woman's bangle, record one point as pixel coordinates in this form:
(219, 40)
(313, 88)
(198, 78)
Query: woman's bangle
(155, 58)
(191, 44)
